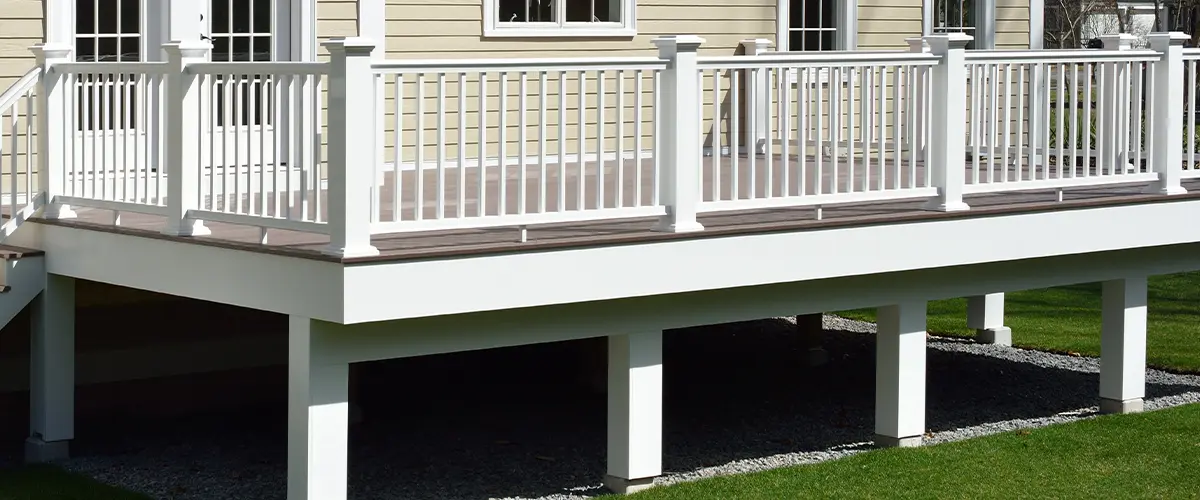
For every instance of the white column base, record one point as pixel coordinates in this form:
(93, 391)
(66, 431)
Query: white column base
(187, 227)
(634, 410)
(939, 206)
(900, 374)
(1112, 406)
(666, 226)
(38, 451)
(626, 486)
(894, 442)
(58, 211)
(999, 336)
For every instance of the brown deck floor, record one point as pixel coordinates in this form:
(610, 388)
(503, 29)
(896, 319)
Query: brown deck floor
(401, 246)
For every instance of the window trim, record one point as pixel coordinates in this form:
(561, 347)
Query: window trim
(492, 28)
(845, 20)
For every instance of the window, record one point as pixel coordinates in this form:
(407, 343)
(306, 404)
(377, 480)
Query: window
(526, 18)
(241, 30)
(812, 25)
(955, 16)
(108, 30)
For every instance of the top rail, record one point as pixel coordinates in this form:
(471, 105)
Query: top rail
(520, 64)
(250, 68)
(112, 68)
(825, 59)
(1060, 56)
(20, 88)
(1191, 54)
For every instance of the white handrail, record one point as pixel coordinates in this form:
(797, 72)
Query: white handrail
(520, 64)
(20, 88)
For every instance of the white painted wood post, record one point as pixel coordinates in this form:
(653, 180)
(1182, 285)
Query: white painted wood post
(918, 138)
(1112, 121)
(679, 185)
(947, 123)
(181, 142)
(757, 97)
(52, 142)
(52, 371)
(985, 314)
(1166, 145)
(1123, 345)
(634, 411)
(351, 147)
(900, 375)
(318, 414)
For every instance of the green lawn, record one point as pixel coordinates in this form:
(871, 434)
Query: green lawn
(51, 483)
(1067, 319)
(1149, 455)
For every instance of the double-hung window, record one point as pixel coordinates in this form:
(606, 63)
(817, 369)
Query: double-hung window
(535, 18)
(812, 25)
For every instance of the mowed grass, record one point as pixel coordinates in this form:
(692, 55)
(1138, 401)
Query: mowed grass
(1149, 455)
(46, 482)
(1067, 320)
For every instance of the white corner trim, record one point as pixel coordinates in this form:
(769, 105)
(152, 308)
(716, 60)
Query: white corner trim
(847, 25)
(372, 25)
(1037, 24)
(493, 28)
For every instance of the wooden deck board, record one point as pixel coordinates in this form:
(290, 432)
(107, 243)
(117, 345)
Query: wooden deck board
(399, 246)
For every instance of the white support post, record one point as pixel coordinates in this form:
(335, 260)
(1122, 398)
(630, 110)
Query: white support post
(1167, 143)
(351, 147)
(1112, 122)
(1123, 346)
(181, 143)
(900, 375)
(985, 313)
(679, 185)
(919, 103)
(947, 134)
(52, 371)
(52, 144)
(757, 98)
(318, 414)
(634, 411)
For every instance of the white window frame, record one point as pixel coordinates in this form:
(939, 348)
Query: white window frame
(845, 17)
(984, 31)
(492, 27)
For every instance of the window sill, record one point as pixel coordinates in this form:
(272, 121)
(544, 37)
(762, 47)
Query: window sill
(572, 32)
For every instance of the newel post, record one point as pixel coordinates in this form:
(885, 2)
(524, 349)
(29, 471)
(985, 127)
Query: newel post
(679, 185)
(350, 147)
(52, 143)
(181, 141)
(1167, 142)
(947, 122)
(757, 98)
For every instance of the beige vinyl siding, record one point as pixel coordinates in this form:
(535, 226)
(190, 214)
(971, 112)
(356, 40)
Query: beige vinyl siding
(1012, 24)
(20, 29)
(884, 24)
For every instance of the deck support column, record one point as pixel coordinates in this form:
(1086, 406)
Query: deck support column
(1123, 346)
(634, 411)
(900, 375)
(985, 314)
(52, 372)
(318, 414)
(811, 331)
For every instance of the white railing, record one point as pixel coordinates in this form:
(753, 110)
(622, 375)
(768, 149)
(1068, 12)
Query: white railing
(824, 128)
(112, 119)
(476, 143)
(18, 160)
(1191, 133)
(1090, 127)
(441, 144)
(258, 156)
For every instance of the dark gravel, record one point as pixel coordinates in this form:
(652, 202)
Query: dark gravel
(492, 425)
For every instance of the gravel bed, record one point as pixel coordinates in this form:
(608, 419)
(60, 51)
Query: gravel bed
(492, 429)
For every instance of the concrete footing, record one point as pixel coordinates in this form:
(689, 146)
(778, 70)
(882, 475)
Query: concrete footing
(38, 451)
(894, 442)
(1001, 335)
(1121, 407)
(626, 486)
